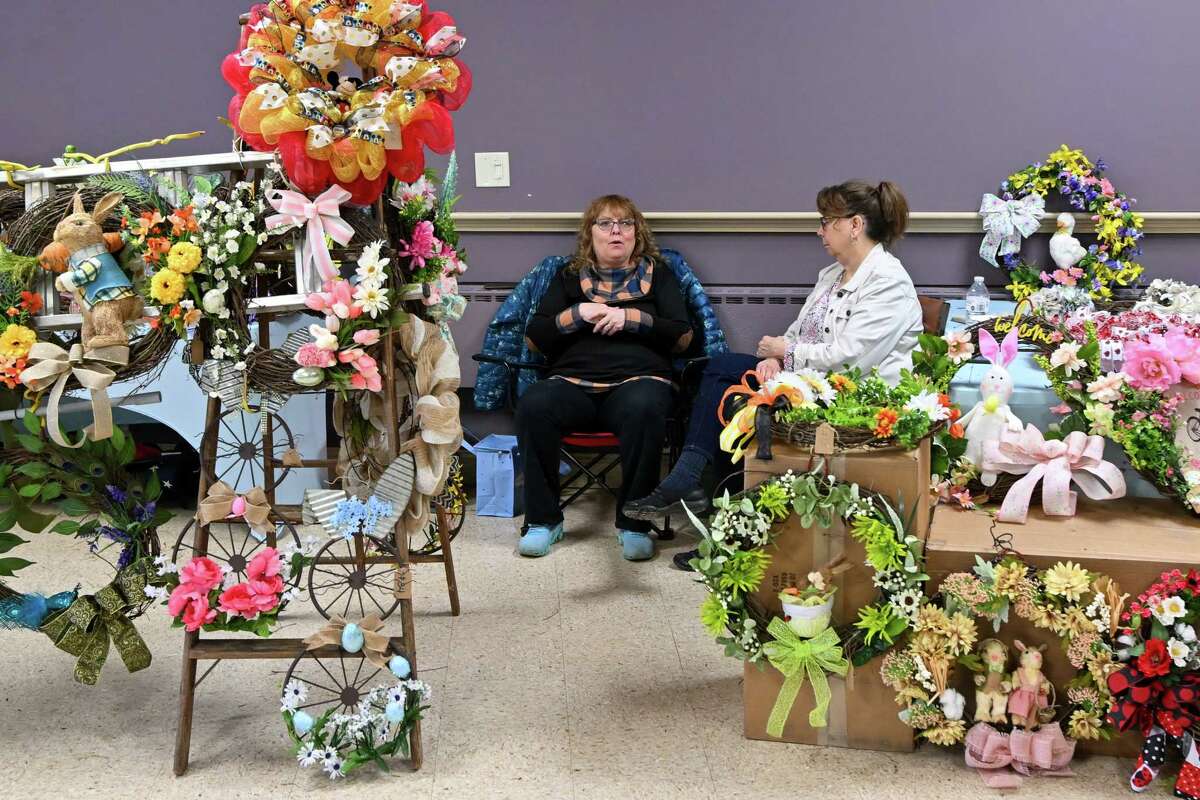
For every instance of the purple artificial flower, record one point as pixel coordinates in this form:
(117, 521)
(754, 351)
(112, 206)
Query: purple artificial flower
(116, 493)
(126, 557)
(145, 513)
(1100, 165)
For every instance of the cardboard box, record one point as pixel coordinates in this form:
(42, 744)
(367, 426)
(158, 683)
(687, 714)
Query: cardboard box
(1132, 540)
(863, 712)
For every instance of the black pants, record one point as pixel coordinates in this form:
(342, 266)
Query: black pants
(636, 412)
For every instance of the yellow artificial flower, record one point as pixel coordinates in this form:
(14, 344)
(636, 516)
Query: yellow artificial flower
(1067, 580)
(1016, 181)
(16, 341)
(166, 287)
(949, 733)
(1106, 229)
(960, 634)
(931, 618)
(1084, 725)
(1008, 578)
(183, 257)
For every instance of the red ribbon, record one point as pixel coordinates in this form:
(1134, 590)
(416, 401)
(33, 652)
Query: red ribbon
(1142, 701)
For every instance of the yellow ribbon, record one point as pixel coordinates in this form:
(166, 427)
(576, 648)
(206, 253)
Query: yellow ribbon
(220, 501)
(89, 625)
(795, 657)
(376, 645)
(55, 365)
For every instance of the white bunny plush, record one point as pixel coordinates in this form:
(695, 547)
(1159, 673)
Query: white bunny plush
(991, 416)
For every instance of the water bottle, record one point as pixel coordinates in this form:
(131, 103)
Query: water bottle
(978, 301)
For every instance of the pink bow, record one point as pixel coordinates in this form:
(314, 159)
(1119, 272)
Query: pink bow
(1042, 752)
(1078, 458)
(321, 217)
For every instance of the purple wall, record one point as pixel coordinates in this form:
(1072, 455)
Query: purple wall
(697, 105)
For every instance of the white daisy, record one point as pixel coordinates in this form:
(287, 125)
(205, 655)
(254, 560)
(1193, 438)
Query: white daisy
(928, 403)
(906, 603)
(1178, 651)
(307, 756)
(333, 768)
(294, 693)
(1169, 609)
(154, 592)
(372, 299)
(396, 694)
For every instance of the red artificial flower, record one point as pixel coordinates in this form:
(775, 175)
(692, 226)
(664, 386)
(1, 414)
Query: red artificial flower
(156, 248)
(183, 222)
(31, 302)
(1154, 662)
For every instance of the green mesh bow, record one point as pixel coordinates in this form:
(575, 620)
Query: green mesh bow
(796, 657)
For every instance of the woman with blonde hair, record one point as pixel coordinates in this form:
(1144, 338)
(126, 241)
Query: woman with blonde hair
(608, 326)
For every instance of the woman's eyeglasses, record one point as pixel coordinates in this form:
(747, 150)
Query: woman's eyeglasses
(827, 221)
(609, 225)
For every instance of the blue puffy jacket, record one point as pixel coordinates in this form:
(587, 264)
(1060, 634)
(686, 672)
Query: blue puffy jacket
(505, 337)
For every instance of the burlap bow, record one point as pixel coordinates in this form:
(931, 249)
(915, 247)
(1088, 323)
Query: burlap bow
(1005, 222)
(376, 645)
(796, 657)
(87, 627)
(50, 364)
(320, 216)
(1078, 458)
(1042, 752)
(220, 503)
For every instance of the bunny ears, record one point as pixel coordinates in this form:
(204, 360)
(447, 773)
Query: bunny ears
(1007, 351)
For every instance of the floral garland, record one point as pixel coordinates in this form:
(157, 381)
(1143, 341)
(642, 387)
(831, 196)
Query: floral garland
(732, 561)
(1081, 607)
(906, 413)
(206, 595)
(1135, 406)
(18, 306)
(1107, 263)
(340, 743)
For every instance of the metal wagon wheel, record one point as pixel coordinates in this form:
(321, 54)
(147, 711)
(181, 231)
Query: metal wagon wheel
(1193, 428)
(343, 583)
(240, 442)
(454, 500)
(232, 543)
(333, 683)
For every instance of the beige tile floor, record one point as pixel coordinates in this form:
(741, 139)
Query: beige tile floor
(575, 676)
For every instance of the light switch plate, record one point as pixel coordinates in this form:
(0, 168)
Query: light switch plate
(491, 169)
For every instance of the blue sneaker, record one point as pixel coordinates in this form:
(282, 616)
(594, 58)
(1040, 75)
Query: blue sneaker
(636, 546)
(536, 541)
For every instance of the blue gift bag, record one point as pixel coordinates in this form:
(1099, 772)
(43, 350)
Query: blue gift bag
(499, 482)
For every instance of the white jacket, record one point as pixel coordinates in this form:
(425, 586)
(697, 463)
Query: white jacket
(872, 321)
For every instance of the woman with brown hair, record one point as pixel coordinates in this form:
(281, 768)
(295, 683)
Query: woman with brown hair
(862, 313)
(608, 326)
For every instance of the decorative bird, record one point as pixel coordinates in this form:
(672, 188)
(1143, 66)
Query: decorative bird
(1065, 249)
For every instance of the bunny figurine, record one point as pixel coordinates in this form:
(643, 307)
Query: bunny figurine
(106, 296)
(992, 686)
(991, 416)
(1031, 690)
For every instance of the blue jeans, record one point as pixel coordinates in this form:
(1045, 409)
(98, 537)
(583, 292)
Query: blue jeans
(723, 371)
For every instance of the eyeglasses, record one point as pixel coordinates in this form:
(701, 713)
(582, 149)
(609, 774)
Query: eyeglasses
(827, 221)
(609, 225)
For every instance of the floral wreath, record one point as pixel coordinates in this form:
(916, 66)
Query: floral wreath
(347, 131)
(1081, 607)
(1017, 213)
(733, 560)
(101, 503)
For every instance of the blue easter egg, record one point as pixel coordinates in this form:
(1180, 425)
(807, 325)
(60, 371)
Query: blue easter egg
(352, 638)
(394, 712)
(400, 667)
(302, 722)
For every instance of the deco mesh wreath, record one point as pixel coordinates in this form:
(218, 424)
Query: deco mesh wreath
(733, 561)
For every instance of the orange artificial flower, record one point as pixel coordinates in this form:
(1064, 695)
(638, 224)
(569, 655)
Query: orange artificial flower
(156, 248)
(884, 420)
(841, 383)
(956, 431)
(175, 311)
(191, 317)
(147, 223)
(151, 321)
(31, 302)
(183, 222)
(955, 413)
(12, 311)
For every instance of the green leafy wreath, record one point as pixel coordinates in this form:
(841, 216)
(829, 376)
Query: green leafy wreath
(733, 561)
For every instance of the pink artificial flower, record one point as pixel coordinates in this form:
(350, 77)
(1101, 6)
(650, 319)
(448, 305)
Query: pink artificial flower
(263, 596)
(1186, 352)
(351, 355)
(959, 346)
(372, 383)
(366, 364)
(1091, 180)
(1150, 365)
(1106, 188)
(454, 264)
(423, 244)
(366, 337)
(310, 355)
(337, 300)
(201, 572)
(1061, 408)
(238, 600)
(1066, 278)
(449, 285)
(198, 614)
(181, 595)
(265, 564)
(1045, 276)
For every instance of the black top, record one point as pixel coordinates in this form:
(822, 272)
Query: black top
(657, 325)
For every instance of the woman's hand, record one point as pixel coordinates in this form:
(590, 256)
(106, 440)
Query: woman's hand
(772, 347)
(613, 321)
(592, 311)
(767, 369)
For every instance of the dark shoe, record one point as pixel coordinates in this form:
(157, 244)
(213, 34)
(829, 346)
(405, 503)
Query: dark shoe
(659, 504)
(681, 559)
